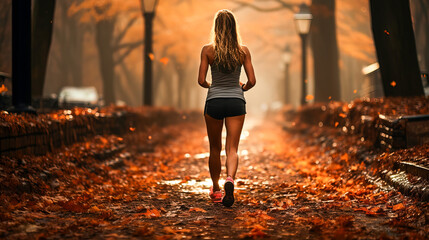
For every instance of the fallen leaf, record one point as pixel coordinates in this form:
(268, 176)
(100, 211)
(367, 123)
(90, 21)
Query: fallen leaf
(163, 196)
(195, 209)
(152, 213)
(398, 206)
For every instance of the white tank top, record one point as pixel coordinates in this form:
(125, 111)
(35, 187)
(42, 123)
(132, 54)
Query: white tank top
(225, 85)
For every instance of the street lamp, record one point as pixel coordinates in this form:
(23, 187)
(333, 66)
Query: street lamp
(303, 20)
(148, 10)
(287, 57)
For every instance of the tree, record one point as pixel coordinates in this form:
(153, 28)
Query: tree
(395, 46)
(5, 36)
(69, 34)
(104, 35)
(43, 17)
(323, 41)
(21, 56)
(419, 10)
(325, 51)
(111, 50)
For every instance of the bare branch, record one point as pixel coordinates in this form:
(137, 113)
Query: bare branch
(127, 45)
(282, 5)
(126, 53)
(124, 31)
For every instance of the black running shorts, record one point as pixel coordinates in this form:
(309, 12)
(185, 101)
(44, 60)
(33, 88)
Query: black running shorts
(220, 108)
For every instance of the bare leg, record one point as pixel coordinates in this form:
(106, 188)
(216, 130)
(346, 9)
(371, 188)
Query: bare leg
(214, 132)
(234, 125)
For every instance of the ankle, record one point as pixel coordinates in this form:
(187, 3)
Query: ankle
(216, 187)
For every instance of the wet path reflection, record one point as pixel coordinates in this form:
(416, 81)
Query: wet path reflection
(201, 186)
(286, 188)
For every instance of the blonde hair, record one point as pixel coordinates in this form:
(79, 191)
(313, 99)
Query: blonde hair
(226, 41)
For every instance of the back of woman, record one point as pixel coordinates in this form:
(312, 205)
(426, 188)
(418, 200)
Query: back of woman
(225, 99)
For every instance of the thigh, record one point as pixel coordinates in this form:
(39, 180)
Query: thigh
(214, 131)
(234, 125)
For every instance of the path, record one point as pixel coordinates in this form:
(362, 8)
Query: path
(288, 187)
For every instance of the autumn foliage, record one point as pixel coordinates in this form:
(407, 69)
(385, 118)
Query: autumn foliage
(153, 182)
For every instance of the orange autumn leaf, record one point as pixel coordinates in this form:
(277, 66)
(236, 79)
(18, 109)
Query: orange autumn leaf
(164, 60)
(377, 210)
(265, 216)
(398, 206)
(151, 56)
(3, 88)
(393, 83)
(257, 231)
(336, 124)
(195, 209)
(185, 179)
(163, 196)
(163, 167)
(94, 209)
(342, 115)
(344, 157)
(152, 213)
(309, 97)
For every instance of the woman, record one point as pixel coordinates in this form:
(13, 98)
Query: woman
(225, 99)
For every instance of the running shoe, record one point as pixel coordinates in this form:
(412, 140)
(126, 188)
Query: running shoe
(216, 196)
(228, 199)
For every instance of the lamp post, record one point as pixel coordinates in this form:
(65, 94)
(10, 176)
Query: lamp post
(303, 20)
(148, 10)
(287, 57)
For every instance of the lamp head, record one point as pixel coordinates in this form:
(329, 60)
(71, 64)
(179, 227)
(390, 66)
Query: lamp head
(149, 6)
(303, 19)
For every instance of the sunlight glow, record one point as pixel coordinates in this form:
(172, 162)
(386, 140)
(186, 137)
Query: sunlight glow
(207, 154)
(195, 186)
(244, 135)
(244, 152)
(202, 155)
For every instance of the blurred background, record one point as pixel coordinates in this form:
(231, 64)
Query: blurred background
(98, 44)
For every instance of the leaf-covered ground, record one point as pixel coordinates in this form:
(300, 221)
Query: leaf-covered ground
(154, 185)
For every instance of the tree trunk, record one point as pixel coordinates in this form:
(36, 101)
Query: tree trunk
(5, 36)
(43, 18)
(395, 46)
(21, 56)
(325, 51)
(71, 44)
(129, 89)
(423, 7)
(420, 18)
(104, 35)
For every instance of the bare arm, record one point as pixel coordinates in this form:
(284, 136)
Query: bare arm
(204, 65)
(248, 67)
